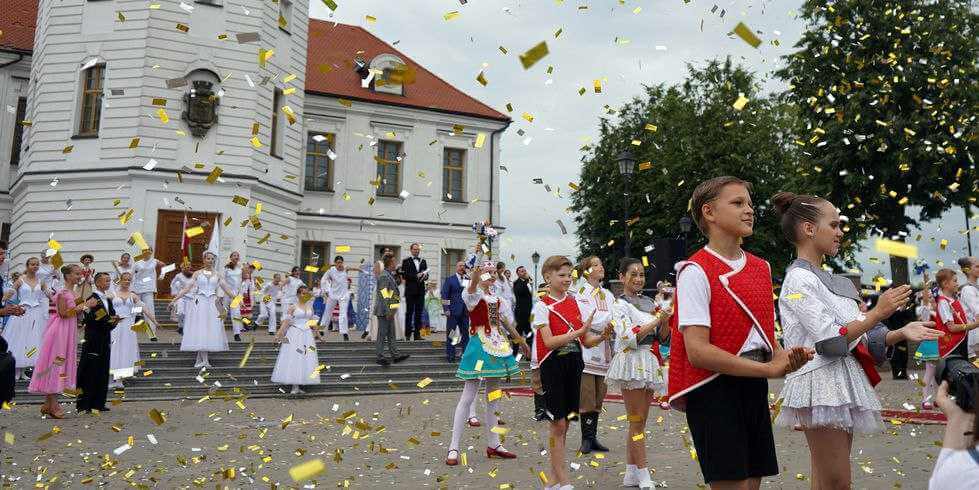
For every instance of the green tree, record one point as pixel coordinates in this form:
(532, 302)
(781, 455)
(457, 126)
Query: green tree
(887, 99)
(688, 133)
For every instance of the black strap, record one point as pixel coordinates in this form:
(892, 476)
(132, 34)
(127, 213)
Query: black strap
(974, 453)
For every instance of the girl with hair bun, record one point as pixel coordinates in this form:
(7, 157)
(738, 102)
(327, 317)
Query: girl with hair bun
(831, 397)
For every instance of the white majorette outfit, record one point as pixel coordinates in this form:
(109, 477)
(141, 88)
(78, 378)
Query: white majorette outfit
(124, 351)
(297, 361)
(233, 278)
(203, 326)
(177, 284)
(336, 291)
(634, 366)
(289, 291)
(24, 333)
(144, 280)
(828, 392)
(969, 297)
(270, 294)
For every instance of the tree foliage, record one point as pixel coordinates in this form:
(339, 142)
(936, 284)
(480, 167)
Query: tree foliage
(887, 96)
(688, 133)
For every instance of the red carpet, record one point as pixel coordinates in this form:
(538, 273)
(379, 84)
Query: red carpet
(892, 417)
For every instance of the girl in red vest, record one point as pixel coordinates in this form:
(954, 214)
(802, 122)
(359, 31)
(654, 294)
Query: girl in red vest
(558, 336)
(488, 357)
(723, 342)
(832, 397)
(950, 317)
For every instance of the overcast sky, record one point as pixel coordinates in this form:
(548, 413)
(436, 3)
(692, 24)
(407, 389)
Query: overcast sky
(625, 44)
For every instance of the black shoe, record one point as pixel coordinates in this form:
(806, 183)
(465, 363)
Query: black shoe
(103, 409)
(237, 338)
(364, 335)
(346, 338)
(180, 330)
(401, 357)
(586, 446)
(153, 339)
(271, 333)
(382, 361)
(597, 446)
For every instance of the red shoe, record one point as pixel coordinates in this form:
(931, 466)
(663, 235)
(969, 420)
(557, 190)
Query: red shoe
(499, 452)
(474, 422)
(452, 461)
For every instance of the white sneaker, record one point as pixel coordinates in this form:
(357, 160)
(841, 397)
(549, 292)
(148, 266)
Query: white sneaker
(630, 479)
(645, 481)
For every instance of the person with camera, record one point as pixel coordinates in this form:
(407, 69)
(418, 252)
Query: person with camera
(832, 397)
(957, 465)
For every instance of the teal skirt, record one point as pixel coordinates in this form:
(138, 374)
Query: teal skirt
(927, 351)
(491, 367)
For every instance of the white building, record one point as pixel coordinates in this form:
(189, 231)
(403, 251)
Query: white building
(342, 140)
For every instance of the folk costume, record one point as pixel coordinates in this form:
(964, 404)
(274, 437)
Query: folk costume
(950, 311)
(559, 370)
(596, 362)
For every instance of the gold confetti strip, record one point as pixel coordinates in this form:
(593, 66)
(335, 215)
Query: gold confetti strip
(535, 54)
(192, 232)
(451, 15)
(156, 416)
(745, 34)
(305, 471)
(342, 248)
(898, 249)
(213, 176)
(740, 103)
(425, 382)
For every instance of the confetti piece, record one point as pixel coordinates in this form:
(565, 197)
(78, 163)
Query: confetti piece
(452, 15)
(162, 114)
(794, 296)
(307, 470)
(150, 165)
(247, 37)
(255, 142)
(425, 382)
(494, 395)
(342, 248)
(192, 232)
(740, 103)
(330, 4)
(8, 438)
(534, 54)
(213, 176)
(638, 437)
(896, 248)
(745, 34)
(481, 78)
(156, 416)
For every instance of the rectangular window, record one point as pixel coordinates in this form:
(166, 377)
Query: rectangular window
(453, 174)
(4, 234)
(314, 254)
(449, 259)
(285, 15)
(389, 168)
(319, 161)
(93, 80)
(275, 144)
(17, 143)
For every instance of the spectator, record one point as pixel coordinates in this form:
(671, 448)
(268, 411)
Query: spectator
(958, 462)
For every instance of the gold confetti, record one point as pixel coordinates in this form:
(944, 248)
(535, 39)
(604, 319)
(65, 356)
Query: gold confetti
(535, 54)
(342, 248)
(255, 142)
(307, 470)
(740, 103)
(8, 438)
(425, 382)
(162, 114)
(156, 416)
(213, 176)
(898, 249)
(481, 78)
(494, 395)
(794, 296)
(330, 4)
(192, 232)
(452, 15)
(240, 200)
(745, 34)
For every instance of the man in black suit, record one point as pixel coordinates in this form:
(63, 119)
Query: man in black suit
(93, 365)
(414, 269)
(524, 299)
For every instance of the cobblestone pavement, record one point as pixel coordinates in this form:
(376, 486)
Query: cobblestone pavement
(380, 441)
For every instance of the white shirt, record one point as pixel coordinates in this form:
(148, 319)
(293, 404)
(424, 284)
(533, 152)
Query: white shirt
(144, 275)
(334, 283)
(954, 469)
(945, 311)
(101, 295)
(969, 297)
(290, 289)
(693, 299)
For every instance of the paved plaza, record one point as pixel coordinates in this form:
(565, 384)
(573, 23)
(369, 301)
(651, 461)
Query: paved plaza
(385, 440)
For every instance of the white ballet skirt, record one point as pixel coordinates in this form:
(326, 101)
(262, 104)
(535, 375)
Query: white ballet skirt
(124, 352)
(203, 328)
(24, 333)
(298, 359)
(837, 396)
(633, 366)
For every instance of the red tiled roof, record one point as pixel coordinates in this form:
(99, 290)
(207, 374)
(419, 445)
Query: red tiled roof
(329, 71)
(17, 19)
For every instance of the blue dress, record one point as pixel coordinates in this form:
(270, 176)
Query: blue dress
(927, 351)
(488, 355)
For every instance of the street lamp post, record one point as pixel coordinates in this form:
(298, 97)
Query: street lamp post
(685, 224)
(535, 258)
(627, 165)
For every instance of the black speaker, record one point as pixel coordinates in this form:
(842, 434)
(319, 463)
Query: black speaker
(665, 254)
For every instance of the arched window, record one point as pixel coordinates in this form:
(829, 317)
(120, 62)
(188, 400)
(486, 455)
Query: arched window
(90, 107)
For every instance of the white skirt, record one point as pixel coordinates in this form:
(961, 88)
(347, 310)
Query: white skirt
(436, 320)
(837, 396)
(636, 370)
(203, 328)
(297, 361)
(124, 352)
(24, 333)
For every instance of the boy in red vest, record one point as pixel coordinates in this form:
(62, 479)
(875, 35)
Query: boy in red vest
(724, 346)
(950, 316)
(559, 334)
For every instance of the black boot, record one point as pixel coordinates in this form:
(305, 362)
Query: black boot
(587, 434)
(597, 446)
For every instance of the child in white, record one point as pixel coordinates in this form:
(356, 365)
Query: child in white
(144, 278)
(289, 288)
(204, 328)
(232, 275)
(124, 351)
(298, 360)
(969, 297)
(270, 294)
(336, 291)
(177, 284)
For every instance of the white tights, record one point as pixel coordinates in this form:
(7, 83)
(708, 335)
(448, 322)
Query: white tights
(202, 357)
(928, 391)
(466, 401)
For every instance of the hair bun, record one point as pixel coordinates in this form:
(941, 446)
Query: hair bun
(783, 200)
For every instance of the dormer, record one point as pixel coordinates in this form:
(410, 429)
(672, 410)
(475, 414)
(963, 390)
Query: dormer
(389, 74)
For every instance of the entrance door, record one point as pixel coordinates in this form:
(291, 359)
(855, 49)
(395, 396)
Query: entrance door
(169, 236)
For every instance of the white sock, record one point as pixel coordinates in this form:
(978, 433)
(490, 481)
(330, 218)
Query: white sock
(630, 468)
(644, 477)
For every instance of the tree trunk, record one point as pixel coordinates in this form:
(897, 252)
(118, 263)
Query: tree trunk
(899, 270)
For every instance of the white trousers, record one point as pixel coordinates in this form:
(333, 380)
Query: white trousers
(327, 319)
(267, 313)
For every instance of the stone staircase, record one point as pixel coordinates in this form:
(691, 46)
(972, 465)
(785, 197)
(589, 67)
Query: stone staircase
(169, 374)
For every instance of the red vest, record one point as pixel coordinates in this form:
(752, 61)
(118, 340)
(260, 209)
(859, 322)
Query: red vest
(738, 302)
(948, 342)
(560, 314)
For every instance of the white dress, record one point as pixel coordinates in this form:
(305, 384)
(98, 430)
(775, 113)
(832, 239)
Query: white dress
(297, 361)
(114, 285)
(24, 333)
(633, 367)
(203, 328)
(827, 392)
(124, 352)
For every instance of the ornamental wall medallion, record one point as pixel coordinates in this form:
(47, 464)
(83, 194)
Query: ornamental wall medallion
(201, 108)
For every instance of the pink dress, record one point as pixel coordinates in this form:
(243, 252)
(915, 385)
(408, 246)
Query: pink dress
(57, 360)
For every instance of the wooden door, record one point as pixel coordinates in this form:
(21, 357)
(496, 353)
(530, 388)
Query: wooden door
(169, 236)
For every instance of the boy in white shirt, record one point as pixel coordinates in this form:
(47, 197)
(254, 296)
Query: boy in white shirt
(336, 291)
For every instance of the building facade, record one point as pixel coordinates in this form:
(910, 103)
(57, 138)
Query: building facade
(299, 139)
